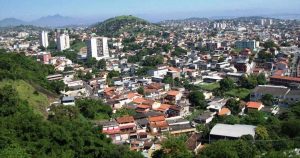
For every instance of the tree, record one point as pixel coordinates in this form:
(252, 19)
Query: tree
(261, 132)
(124, 112)
(88, 76)
(254, 118)
(113, 74)
(8, 101)
(227, 84)
(267, 99)
(173, 147)
(269, 44)
(14, 151)
(234, 106)
(197, 99)
(203, 129)
(249, 82)
(93, 109)
(291, 128)
(91, 62)
(168, 80)
(228, 149)
(101, 64)
(261, 79)
(179, 51)
(57, 86)
(153, 60)
(141, 91)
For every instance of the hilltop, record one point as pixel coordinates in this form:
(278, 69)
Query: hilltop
(115, 26)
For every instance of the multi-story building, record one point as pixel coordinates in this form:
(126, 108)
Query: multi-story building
(97, 47)
(44, 39)
(63, 42)
(251, 44)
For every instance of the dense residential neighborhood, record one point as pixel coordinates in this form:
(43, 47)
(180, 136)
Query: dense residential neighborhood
(188, 88)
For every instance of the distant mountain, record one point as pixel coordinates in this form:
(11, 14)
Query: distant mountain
(54, 21)
(119, 24)
(47, 21)
(11, 22)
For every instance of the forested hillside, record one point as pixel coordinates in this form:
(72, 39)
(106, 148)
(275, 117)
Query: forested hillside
(118, 25)
(66, 132)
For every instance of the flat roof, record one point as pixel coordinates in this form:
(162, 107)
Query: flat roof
(234, 131)
(68, 98)
(270, 89)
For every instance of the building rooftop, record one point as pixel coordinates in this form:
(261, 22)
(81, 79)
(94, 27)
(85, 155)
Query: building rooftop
(125, 119)
(67, 98)
(270, 89)
(292, 79)
(180, 127)
(254, 105)
(234, 131)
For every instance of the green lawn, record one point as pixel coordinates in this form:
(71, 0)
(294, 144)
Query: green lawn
(36, 100)
(209, 86)
(241, 93)
(78, 45)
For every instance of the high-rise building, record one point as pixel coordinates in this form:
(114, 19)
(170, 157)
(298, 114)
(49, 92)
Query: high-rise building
(44, 39)
(63, 42)
(97, 47)
(251, 44)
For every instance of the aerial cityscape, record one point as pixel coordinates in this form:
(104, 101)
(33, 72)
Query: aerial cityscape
(150, 79)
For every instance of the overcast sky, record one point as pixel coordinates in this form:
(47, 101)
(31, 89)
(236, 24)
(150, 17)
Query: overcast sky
(149, 9)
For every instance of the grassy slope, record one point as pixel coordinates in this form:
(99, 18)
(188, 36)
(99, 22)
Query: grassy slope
(38, 102)
(209, 86)
(238, 92)
(78, 45)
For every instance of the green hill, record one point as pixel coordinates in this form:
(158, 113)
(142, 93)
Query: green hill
(114, 26)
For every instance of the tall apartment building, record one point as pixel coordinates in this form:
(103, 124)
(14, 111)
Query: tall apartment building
(251, 44)
(63, 42)
(97, 47)
(44, 39)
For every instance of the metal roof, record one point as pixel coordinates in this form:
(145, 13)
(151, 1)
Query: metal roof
(68, 98)
(234, 131)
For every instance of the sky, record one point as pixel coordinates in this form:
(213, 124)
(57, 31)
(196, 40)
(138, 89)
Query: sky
(148, 9)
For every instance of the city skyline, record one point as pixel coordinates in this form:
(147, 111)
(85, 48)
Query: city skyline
(151, 10)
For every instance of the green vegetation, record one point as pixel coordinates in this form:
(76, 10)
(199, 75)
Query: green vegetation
(226, 84)
(234, 106)
(173, 147)
(241, 93)
(77, 45)
(252, 81)
(197, 99)
(124, 112)
(94, 109)
(153, 60)
(210, 86)
(179, 52)
(139, 56)
(65, 134)
(115, 26)
(17, 66)
(232, 149)
(37, 101)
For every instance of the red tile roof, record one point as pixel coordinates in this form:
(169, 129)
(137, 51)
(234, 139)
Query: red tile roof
(159, 124)
(286, 78)
(254, 105)
(125, 119)
(139, 100)
(156, 118)
(173, 93)
(224, 111)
